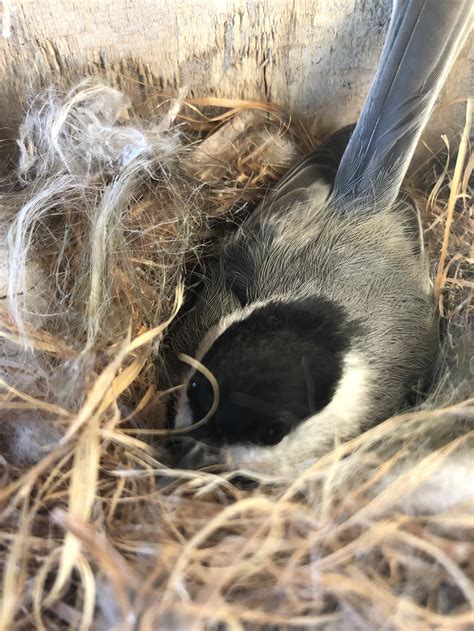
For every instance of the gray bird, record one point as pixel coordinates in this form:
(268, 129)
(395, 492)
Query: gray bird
(318, 316)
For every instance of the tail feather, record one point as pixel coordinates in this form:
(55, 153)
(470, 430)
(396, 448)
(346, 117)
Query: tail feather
(423, 40)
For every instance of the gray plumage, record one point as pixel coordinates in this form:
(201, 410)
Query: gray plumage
(335, 237)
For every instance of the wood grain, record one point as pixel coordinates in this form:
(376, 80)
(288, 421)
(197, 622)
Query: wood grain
(314, 57)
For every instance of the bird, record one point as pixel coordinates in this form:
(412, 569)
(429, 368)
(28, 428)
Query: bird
(317, 317)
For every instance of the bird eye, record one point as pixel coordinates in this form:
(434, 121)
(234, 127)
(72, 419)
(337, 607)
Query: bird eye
(273, 433)
(192, 388)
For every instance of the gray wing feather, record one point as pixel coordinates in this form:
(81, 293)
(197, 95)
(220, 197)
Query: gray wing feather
(310, 179)
(423, 40)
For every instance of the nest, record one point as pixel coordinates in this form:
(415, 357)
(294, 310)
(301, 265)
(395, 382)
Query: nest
(100, 216)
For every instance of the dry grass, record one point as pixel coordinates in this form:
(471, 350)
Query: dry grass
(96, 532)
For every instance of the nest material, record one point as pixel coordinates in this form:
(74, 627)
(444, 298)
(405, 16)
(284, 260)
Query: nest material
(100, 217)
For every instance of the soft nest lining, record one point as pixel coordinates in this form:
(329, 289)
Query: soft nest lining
(99, 217)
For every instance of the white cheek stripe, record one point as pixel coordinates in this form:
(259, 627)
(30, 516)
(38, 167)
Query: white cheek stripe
(183, 415)
(225, 322)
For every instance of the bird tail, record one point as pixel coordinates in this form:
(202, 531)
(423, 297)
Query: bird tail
(423, 40)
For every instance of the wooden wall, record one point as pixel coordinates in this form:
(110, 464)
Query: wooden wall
(316, 57)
